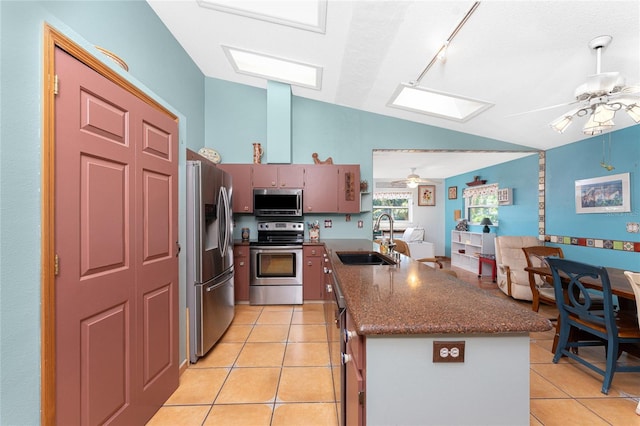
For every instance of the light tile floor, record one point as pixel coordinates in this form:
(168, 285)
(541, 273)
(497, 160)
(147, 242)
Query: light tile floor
(272, 368)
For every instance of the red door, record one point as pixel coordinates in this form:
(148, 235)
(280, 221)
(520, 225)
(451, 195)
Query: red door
(115, 232)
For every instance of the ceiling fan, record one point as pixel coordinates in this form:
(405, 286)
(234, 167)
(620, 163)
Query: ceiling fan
(600, 97)
(412, 180)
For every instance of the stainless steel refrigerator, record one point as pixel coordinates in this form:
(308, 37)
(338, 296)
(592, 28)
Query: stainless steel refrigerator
(210, 292)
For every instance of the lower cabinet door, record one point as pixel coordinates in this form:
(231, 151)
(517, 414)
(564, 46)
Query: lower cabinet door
(354, 398)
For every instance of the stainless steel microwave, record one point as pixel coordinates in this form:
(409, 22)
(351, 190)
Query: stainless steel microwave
(279, 202)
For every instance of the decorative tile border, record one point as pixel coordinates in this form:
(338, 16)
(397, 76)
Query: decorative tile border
(575, 241)
(542, 165)
(594, 243)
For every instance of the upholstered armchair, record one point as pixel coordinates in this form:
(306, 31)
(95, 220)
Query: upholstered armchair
(512, 279)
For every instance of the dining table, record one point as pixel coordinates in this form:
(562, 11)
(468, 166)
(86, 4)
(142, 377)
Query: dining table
(620, 286)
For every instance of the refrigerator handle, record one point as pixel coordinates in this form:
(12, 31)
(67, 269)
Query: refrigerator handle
(224, 221)
(229, 212)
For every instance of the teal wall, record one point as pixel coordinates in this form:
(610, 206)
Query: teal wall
(565, 165)
(521, 218)
(236, 117)
(581, 160)
(157, 64)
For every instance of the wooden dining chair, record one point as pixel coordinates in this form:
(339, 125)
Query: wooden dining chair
(541, 288)
(403, 248)
(634, 280)
(595, 327)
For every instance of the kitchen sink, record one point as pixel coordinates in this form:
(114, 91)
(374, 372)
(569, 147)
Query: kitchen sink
(364, 258)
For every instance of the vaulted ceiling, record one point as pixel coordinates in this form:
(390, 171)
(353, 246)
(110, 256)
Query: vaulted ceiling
(518, 55)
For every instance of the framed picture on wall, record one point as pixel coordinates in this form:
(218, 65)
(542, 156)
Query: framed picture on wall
(604, 194)
(453, 192)
(426, 195)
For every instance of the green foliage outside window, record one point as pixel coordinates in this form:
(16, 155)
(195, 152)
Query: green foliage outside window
(483, 205)
(398, 208)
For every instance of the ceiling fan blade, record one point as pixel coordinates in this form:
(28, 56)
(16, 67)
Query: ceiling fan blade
(418, 181)
(627, 100)
(542, 109)
(398, 183)
(630, 90)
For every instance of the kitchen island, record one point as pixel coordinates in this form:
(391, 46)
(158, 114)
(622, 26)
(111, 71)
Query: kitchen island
(400, 312)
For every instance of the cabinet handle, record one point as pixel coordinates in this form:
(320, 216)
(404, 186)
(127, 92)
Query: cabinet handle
(309, 263)
(348, 334)
(346, 358)
(241, 263)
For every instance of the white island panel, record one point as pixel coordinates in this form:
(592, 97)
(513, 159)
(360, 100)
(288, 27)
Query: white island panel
(405, 387)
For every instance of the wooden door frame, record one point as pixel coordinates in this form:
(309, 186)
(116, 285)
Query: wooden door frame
(52, 39)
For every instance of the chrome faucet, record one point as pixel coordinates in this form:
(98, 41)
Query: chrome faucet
(376, 227)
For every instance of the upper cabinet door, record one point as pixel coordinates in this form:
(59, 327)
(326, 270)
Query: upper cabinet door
(242, 193)
(349, 188)
(291, 176)
(265, 176)
(278, 176)
(320, 186)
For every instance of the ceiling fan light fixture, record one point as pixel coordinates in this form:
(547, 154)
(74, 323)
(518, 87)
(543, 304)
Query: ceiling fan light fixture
(603, 113)
(412, 180)
(594, 127)
(600, 97)
(560, 124)
(634, 112)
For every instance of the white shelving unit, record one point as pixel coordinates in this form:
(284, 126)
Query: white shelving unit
(466, 246)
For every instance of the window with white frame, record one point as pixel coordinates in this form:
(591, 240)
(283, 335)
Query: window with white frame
(398, 204)
(481, 202)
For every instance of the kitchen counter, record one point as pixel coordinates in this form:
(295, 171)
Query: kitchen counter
(410, 298)
(405, 314)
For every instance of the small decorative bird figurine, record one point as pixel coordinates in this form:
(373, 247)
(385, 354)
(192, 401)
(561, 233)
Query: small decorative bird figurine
(316, 160)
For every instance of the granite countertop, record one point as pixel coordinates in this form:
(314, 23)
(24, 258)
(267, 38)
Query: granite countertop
(411, 298)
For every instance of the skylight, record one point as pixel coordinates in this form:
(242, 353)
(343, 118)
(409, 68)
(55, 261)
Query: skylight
(273, 68)
(437, 104)
(307, 15)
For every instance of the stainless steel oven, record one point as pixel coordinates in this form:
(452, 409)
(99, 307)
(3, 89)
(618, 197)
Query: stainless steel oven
(276, 264)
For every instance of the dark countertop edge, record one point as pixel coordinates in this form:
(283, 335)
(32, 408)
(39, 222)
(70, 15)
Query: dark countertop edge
(237, 242)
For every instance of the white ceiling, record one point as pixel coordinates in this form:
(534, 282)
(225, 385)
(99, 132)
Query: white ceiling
(519, 55)
(436, 165)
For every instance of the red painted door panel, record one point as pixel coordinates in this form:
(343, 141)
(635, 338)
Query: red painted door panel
(320, 186)
(241, 272)
(115, 229)
(156, 261)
